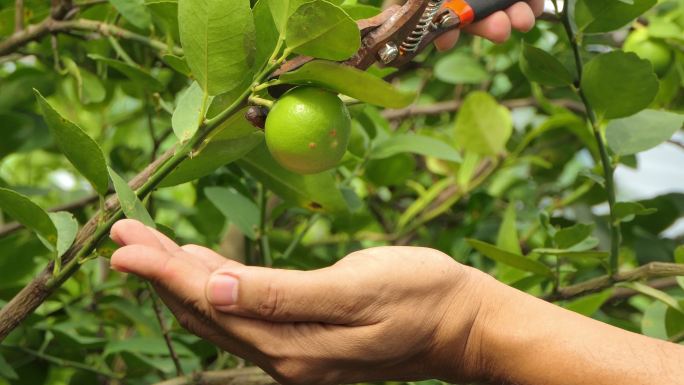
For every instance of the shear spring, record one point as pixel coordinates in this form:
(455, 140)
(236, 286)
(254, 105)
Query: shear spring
(412, 42)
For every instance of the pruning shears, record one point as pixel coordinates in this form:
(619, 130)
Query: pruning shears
(399, 33)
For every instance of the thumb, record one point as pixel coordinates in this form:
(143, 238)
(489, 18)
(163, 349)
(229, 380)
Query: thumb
(324, 295)
(448, 40)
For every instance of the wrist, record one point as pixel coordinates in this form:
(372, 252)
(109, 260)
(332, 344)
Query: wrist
(459, 353)
(511, 329)
(488, 333)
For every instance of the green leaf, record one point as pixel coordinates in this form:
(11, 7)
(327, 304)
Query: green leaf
(572, 254)
(165, 15)
(589, 304)
(619, 84)
(282, 10)
(145, 345)
(542, 67)
(416, 144)
(231, 141)
(511, 259)
(571, 236)
(360, 11)
(600, 16)
(6, 370)
(237, 208)
(177, 63)
(67, 228)
(627, 211)
(349, 81)
(507, 238)
(266, 32)
(322, 30)
(315, 192)
(218, 41)
(137, 75)
(29, 214)
(460, 68)
(655, 294)
(190, 111)
(81, 150)
(88, 86)
(679, 258)
(132, 207)
(134, 11)
(642, 131)
(425, 199)
(483, 126)
(674, 321)
(653, 321)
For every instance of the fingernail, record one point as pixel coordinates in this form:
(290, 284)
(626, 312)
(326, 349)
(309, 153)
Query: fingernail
(222, 290)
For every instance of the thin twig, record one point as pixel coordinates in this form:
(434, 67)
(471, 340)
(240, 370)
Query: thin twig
(18, 15)
(241, 376)
(165, 331)
(676, 143)
(299, 236)
(608, 169)
(645, 272)
(264, 243)
(50, 25)
(65, 363)
(454, 105)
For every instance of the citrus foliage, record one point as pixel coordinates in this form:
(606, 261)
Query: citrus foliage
(501, 160)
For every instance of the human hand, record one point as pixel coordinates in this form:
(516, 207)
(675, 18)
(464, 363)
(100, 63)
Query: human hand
(385, 313)
(497, 27)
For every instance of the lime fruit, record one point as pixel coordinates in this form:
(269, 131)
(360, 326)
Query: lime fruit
(307, 130)
(653, 50)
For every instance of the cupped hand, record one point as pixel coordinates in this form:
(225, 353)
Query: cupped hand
(497, 27)
(386, 313)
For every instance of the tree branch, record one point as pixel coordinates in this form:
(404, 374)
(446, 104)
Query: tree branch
(52, 25)
(35, 293)
(454, 105)
(165, 331)
(242, 376)
(676, 143)
(18, 15)
(645, 272)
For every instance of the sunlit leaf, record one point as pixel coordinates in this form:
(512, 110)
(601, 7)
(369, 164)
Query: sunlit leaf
(514, 260)
(132, 207)
(241, 211)
(349, 81)
(218, 41)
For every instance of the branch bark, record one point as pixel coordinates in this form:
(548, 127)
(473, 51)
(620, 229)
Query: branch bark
(51, 25)
(454, 105)
(242, 376)
(18, 15)
(35, 293)
(650, 271)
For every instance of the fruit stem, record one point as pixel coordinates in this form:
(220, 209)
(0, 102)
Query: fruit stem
(261, 102)
(263, 86)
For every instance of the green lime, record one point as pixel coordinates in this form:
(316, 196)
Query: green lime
(307, 130)
(655, 51)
